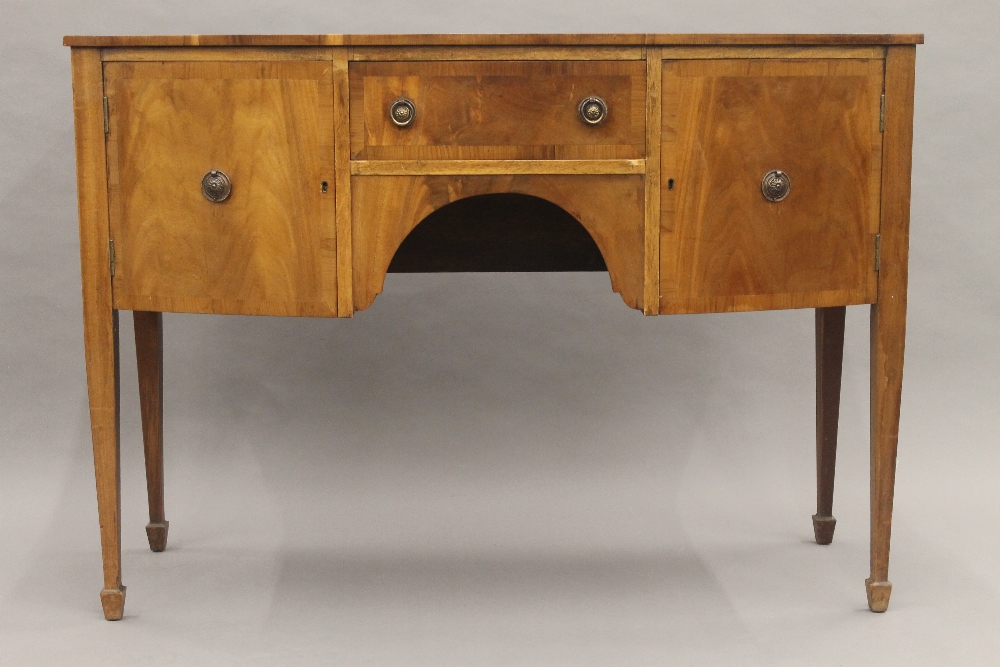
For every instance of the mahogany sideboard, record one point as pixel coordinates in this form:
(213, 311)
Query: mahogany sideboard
(286, 175)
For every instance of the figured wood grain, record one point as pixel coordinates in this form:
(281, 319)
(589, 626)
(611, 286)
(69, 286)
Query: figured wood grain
(342, 167)
(771, 52)
(216, 53)
(410, 53)
(387, 208)
(149, 364)
(473, 167)
(497, 110)
(888, 314)
(725, 125)
(100, 320)
(829, 366)
(654, 75)
(578, 39)
(270, 248)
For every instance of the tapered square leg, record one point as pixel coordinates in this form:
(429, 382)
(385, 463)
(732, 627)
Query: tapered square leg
(829, 365)
(888, 314)
(101, 342)
(113, 602)
(149, 362)
(100, 319)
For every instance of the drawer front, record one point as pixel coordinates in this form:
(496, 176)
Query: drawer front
(497, 110)
(726, 124)
(269, 248)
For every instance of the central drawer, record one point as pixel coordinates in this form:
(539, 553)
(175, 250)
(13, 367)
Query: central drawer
(497, 110)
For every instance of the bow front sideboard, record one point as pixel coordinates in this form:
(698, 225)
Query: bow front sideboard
(286, 175)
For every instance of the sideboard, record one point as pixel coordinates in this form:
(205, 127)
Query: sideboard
(286, 175)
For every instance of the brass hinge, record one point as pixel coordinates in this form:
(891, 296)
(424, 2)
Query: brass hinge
(107, 117)
(881, 115)
(111, 255)
(878, 251)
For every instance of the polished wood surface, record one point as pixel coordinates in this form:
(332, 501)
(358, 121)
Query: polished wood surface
(482, 52)
(100, 320)
(888, 315)
(725, 125)
(267, 250)
(651, 277)
(149, 364)
(491, 167)
(342, 151)
(652, 39)
(829, 367)
(387, 208)
(498, 173)
(497, 110)
(485, 53)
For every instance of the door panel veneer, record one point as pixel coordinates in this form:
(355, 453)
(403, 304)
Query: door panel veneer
(270, 248)
(726, 123)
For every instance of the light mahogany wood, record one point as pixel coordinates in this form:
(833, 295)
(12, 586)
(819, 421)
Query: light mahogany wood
(725, 125)
(888, 314)
(270, 248)
(651, 279)
(772, 52)
(149, 363)
(410, 53)
(665, 195)
(387, 208)
(829, 366)
(342, 136)
(488, 167)
(592, 39)
(497, 110)
(219, 54)
(100, 320)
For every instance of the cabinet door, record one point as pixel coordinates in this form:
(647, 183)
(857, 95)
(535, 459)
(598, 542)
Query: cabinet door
(726, 124)
(267, 249)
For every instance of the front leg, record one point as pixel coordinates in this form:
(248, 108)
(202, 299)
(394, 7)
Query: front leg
(100, 319)
(888, 328)
(101, 343)
(888, 314)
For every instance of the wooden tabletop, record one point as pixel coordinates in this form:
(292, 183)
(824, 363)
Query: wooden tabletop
(491, 40)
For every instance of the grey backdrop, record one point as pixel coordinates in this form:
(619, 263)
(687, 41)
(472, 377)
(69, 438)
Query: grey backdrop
(506, 469)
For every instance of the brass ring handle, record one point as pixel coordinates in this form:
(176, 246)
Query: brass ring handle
(593, 110)
(216, 186)
(402, 112)
(775, 185)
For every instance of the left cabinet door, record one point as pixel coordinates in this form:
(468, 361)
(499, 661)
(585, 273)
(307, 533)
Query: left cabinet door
(269, 247)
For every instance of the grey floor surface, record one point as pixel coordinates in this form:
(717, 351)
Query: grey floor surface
(489, 487)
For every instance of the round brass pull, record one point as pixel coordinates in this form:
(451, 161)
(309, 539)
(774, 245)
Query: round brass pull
(775, 185)
(216, 186)
(402, 112)
(593, 110)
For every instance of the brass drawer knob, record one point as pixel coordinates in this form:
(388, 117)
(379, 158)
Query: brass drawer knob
(402, 112)
(775, 185)
(216, 186)
(593, 110)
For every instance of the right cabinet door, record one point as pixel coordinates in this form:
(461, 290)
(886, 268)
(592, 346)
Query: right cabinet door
(727, 124)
